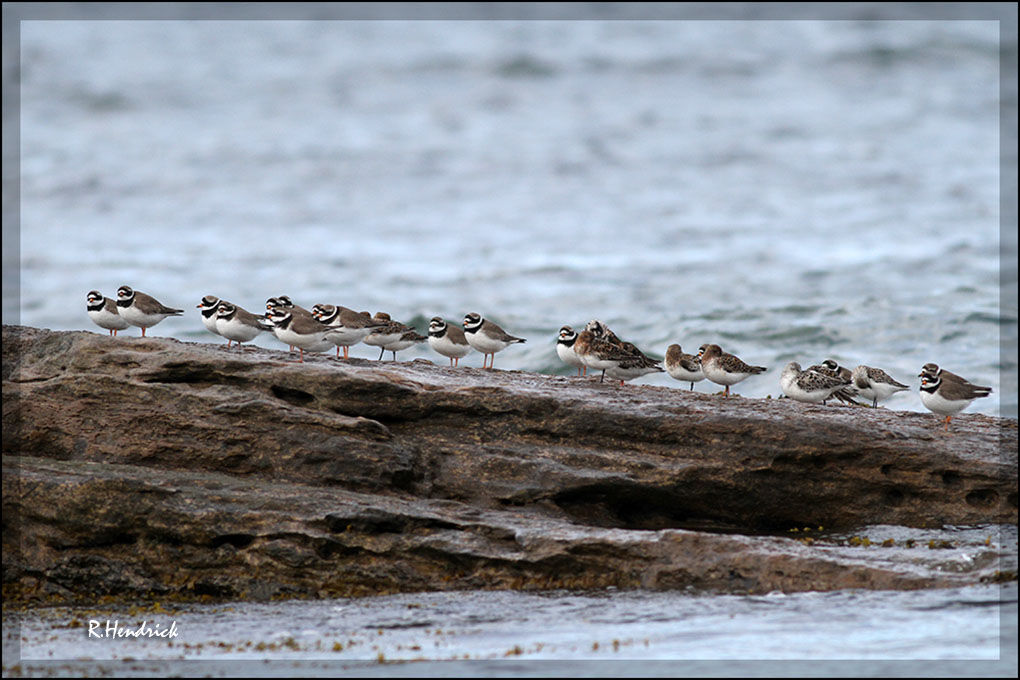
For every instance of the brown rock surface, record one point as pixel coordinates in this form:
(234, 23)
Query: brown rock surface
(151, 465)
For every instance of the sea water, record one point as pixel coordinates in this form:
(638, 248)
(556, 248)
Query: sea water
(935, 632)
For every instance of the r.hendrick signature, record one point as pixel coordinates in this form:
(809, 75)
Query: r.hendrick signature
(115, 630)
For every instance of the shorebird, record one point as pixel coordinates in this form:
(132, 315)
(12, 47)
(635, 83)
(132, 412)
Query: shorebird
(209, 308)
(142, 310)
(683, 367)
(391, 331)
(632, 363)
(284, 303)
(237, 324)
(725, 369)
(301, 332)
(600, 349)
(565, 350)
(408, 338)
(103, 312)
(809, 385)
(448, 340)
(875, 384)
(350, 327)
(487, 337)
(832, 369)
(947, 394)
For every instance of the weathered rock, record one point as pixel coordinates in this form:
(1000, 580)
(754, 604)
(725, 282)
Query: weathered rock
(152, 465)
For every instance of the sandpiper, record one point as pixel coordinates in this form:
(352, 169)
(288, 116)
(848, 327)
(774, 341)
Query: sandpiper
(725, 369)
(875, 384)
(683, 367)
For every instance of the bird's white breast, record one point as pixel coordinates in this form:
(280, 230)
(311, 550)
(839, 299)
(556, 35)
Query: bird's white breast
(568, 356)
(485, 343)
(936, 403)
(447, 347)
(105, 319)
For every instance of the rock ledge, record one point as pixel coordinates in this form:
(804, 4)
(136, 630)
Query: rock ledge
(151, 466)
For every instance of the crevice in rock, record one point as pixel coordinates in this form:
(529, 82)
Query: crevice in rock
(197, 376)
(982, 498)
(329, 548)
(894, 496)
(626, 506)
(112, 538)
(239, 541)
(951, 478)
(214, 590)
(291, 395)
(164, 537)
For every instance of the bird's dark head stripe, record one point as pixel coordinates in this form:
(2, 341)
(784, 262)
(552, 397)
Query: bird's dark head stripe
(437, 327)
(281, 319)
(326, 314)
(208, 305)
(125, 296)
(225, 311)
(929, 382)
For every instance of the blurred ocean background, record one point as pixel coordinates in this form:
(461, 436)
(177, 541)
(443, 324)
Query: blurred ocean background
(792, 190)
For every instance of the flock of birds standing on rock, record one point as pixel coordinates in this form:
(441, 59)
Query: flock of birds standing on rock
(596, 347)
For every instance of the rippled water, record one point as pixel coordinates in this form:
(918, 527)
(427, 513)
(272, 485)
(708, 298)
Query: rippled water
(944, 631)
(791, 190)
(511, 632)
